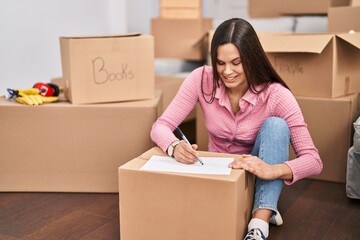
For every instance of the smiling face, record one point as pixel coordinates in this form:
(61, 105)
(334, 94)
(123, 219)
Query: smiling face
(230, 68)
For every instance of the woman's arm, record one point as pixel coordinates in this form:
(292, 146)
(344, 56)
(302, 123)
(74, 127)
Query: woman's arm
(307, 161)
(178, 109)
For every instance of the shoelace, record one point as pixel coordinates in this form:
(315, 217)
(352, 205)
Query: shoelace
(254, 234)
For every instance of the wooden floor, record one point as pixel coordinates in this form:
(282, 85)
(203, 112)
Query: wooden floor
(311, 210)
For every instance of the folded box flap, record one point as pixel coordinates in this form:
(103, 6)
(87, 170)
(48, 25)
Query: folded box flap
(352, 38)
(300, 43)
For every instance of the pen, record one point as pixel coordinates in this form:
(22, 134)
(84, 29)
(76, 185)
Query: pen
(187, 141)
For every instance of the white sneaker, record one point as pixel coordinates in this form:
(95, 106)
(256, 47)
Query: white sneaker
(255, 234)
(276, 219)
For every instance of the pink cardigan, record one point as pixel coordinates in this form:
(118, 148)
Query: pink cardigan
(236, 134)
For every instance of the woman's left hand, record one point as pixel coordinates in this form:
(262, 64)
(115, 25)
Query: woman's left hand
(256, 166)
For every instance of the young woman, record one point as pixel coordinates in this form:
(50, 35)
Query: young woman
(248, 110)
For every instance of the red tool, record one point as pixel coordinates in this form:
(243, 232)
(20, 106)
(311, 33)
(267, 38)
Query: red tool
(47, 89)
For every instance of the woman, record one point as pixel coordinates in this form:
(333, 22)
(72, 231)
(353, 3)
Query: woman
(248, 110)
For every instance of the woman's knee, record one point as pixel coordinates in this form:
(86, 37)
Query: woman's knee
(276, 124)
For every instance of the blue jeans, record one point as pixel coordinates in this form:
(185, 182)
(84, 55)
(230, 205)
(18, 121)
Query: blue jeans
(272, 146)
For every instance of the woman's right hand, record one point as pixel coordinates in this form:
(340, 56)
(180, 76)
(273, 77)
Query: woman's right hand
(185, 153)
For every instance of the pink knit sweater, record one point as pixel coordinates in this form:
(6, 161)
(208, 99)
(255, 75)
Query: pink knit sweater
(236, 134)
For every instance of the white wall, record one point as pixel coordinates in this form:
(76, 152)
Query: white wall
(30, 30)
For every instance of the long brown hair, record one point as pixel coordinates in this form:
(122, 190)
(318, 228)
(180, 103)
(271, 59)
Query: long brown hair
(257, 67)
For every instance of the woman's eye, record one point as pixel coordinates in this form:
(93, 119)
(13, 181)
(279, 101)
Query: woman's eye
(237, 62)
(220, 63)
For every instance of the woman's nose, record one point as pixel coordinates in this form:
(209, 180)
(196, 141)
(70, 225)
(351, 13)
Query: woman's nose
(228, 69)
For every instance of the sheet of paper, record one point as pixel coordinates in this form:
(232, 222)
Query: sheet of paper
(212, 165)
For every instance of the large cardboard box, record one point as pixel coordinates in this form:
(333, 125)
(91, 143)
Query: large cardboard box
(160, 205)
(275, 8)
(330, 123)
(169, 85)
(181, 38)
(316, 65)
(108, 68)
(62, 147)
(344, 19)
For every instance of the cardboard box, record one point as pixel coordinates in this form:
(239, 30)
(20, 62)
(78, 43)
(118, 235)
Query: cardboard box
(202, 134)
(59, 81)
(181, 38)
(169, 85)
(181, 9)
(61, 147)
(180, 3)
(355, 3)
(276, 8)
(330, 123)
(316, 65)
(210, 35)
(108, 68)
(180, 13)
(344, 19)
(159, 205)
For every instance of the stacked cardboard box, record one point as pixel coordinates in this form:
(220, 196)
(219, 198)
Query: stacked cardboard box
(344, 19)
(62, 147)
(316, 65)
(77, 145)
(180, 30)
(330, 123)
(99, 69)
(275, 8)
(180, 38)
(180, 9)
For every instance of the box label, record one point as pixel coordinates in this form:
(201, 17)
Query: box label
(102, 75)
(284, 66)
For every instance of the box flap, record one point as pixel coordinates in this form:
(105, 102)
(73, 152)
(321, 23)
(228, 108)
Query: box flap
(304, 43)
(104, 36)
(352, 38)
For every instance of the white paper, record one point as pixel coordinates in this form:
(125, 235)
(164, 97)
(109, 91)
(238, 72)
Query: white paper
(212, 165)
